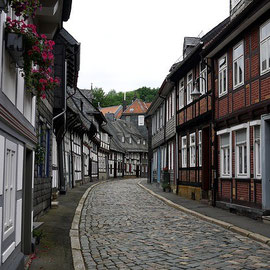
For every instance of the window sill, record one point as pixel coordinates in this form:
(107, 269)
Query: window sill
(264, 72)
(238, 86)
(225, 177)
(223, 94)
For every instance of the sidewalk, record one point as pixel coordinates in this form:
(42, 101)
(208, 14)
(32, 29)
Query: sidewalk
(54, 250)
(254, 229)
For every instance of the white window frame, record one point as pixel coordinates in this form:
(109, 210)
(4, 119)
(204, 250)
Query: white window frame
(203, 82)
(257, 154)
(140, 120)
(200, 147)
(221, 71)
(238, 146)
(184, 151)
(228, 149)
(181, 94)
(192, 150)
(263, 41)
(238, 61)
(189, 87)
(9, 191)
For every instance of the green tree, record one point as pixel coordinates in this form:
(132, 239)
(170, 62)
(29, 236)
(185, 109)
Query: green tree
(98, 96)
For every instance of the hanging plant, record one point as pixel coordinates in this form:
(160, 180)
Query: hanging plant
(25, 8)
(38, 58)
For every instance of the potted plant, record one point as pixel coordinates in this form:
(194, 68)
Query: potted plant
(25, 8)
(166, 180)
(37, 58)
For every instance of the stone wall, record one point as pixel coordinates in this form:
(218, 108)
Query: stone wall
(42, 196)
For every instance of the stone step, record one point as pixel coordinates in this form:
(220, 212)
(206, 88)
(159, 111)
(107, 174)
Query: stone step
(266, 219)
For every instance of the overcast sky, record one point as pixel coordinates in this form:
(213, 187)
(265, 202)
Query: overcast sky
(127, 44)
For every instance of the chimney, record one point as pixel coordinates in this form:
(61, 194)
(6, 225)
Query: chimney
(125, 102)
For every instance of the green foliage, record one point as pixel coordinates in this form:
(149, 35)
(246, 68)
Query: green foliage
(114, 98)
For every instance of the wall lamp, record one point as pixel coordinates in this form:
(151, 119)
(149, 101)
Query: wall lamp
(196, 92)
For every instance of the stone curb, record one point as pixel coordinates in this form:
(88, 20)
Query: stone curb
(74, 234)
(254, 236)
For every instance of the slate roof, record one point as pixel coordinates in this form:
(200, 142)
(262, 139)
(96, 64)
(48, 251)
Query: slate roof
(137, 107)
(121, 128)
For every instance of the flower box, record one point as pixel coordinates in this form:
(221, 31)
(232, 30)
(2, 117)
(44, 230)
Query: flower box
(15, 47)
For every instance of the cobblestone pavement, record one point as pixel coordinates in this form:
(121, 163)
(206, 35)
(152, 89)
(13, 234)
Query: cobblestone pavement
(123, 227)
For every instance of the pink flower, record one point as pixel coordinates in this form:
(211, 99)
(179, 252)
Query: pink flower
(50, 56)
(43, 96)
(44, 56)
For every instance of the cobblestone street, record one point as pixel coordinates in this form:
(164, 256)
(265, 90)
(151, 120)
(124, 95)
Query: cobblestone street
(123, 227)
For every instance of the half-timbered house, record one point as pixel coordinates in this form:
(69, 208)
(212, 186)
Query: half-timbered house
(240, 55)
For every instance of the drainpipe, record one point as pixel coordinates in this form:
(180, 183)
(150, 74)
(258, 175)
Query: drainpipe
(215, 145)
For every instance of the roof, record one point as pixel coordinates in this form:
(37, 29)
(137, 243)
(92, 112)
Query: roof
(119, 114)
(112, 109)
(235, 26)
(121, 128)
(137, 107)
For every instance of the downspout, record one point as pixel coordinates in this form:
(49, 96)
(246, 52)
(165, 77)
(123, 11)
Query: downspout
(215, 144)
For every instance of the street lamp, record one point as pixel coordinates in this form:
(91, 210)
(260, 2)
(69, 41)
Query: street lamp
(196, 92)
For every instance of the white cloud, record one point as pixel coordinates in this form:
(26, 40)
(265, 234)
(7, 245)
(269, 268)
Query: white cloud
(127, 44)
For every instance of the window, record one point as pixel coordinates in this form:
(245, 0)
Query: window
(257, 151)
(241, 153)
(9, 187)
(225, 155)
(158, 120)
(123, 139)
(184, 152)
(222, 74)
(203, 74)
(138, 141)
(171, 156)
(189, 87)
(173, 103)
(238, 65)
(130, 140)
(200, 148)
(181, 94)
(141, 120)
(143, 142)
(265, 47)
(192, 150)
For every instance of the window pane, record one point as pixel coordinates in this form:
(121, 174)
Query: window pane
(224, 80)
(265, 31)
(240, 159)
(264, 48)
(241, 68)
(235, 73)
(245, 159)
(241, 136)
